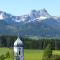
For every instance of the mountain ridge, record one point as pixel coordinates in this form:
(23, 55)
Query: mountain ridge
(37, 23)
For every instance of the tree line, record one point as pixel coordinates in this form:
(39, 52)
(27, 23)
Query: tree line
(8, 41)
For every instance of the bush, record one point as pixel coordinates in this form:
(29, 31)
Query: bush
(8, 55)
(2, 57)
(47, 52)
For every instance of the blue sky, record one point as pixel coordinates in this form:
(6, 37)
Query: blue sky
(21, 7)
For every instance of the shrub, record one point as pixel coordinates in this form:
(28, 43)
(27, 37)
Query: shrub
(8, 55)
(47, 52)
(2, 57)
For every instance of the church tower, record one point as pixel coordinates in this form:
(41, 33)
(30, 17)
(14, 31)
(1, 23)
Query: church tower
(18, 50)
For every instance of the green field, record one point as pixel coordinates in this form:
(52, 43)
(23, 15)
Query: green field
(28, 54)
(33, 54)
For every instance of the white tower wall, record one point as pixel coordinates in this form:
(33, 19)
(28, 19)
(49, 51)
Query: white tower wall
(18, 50)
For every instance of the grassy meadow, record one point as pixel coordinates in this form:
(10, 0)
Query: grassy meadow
(28, 54)
(33, 54)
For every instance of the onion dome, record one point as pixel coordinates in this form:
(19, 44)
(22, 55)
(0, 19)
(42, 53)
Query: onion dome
(18, 43)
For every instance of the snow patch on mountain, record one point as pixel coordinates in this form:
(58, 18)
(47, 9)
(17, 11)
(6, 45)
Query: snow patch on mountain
(17, 20)
(1, 16)
(42, 18)
(34, 15)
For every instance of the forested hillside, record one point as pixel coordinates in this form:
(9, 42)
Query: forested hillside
(8, 41)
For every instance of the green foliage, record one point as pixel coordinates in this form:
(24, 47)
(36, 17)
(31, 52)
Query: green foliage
(57, 57)
(8, 41)
(7, 55)
(30, 54)
(47, 52)
(2, 57)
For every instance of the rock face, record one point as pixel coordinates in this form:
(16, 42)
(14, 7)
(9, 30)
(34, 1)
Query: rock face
(38, 23)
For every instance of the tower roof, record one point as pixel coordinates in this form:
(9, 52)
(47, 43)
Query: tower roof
(18, 42)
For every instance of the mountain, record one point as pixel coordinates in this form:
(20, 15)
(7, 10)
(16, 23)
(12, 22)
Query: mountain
(37, 23)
